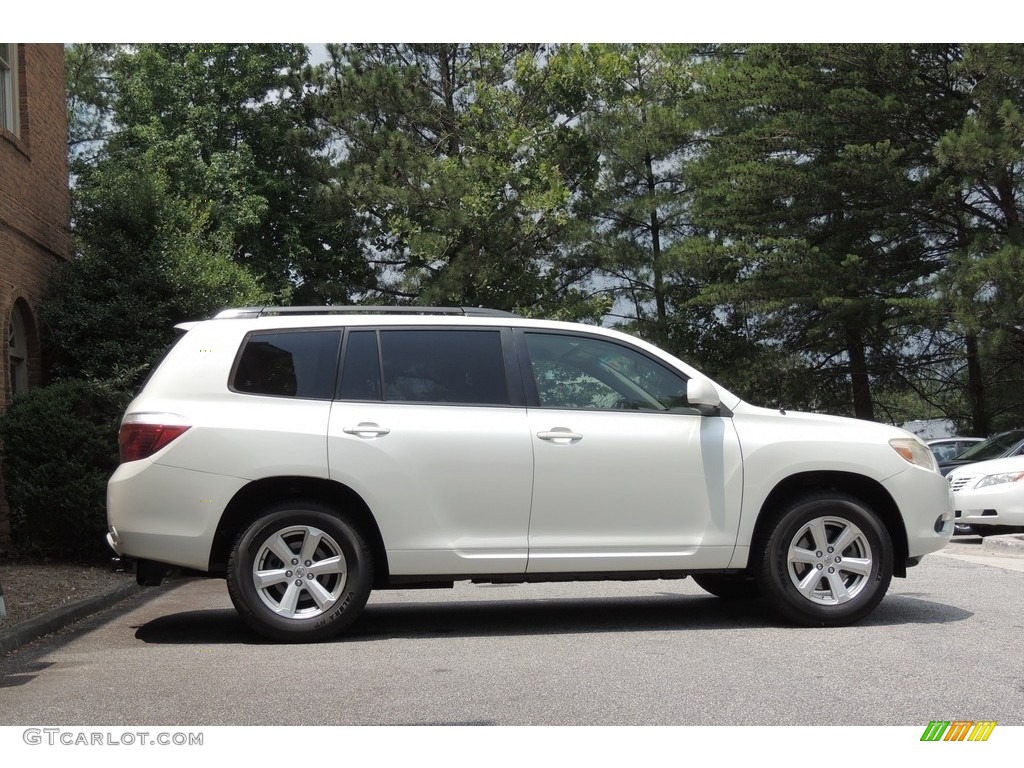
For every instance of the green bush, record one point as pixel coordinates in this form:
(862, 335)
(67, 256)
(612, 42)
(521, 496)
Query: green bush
(59, 450)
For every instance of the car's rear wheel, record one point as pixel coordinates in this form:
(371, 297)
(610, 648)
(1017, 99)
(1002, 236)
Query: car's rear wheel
(825, 560)
(300, 572)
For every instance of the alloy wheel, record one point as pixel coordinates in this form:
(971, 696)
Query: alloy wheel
(829, 560)
(299, 572)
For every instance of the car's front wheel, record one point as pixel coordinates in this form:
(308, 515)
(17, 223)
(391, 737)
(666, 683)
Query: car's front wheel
(825, 560)
(300, 572)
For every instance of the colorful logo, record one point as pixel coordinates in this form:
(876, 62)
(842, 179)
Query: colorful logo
(958, 730)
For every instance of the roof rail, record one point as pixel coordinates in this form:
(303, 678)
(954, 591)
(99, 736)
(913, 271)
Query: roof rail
(253, 312)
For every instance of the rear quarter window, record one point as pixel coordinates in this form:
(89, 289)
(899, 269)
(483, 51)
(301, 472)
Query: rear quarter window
(299, 364)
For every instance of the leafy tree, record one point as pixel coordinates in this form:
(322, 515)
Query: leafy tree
(462, 162)
(146, 261)
(984, 155)
(90, 98)
(642, 125)
(813, 189)
(245, 111)
(206, 182)
(834, 227)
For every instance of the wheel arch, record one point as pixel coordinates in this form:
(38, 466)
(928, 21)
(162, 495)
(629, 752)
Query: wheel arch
(870, 491)
(259, 494)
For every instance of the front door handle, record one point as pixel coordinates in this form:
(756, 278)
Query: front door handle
(366, 429)
(560, 436)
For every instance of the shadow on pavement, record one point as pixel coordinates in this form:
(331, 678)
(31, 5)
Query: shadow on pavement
(663, 612)
(25, 674)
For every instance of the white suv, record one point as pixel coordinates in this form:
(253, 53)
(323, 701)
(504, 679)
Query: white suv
(311, 454)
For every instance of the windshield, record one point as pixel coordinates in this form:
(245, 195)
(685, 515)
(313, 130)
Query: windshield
(992, 448)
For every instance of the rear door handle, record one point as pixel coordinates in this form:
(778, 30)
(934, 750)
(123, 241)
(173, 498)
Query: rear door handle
(366, 429)
(560, 436)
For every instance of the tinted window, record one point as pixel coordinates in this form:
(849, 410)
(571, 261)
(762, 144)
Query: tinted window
(443, 366)
(289, 364)
(580, 372)
(360, 368)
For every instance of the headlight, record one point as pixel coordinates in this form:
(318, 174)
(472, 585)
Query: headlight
(914, 451)
(1004, 477)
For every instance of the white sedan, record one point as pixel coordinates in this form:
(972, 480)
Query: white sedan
(989, 495)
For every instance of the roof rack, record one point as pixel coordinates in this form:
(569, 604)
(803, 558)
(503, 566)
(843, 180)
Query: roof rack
(253, 312)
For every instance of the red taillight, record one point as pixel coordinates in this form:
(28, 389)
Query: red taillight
(138, 440)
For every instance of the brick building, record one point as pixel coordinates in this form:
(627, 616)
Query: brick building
(35, 207)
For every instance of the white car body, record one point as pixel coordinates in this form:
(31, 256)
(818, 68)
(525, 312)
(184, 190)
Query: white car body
(468, 491)
(989, 494)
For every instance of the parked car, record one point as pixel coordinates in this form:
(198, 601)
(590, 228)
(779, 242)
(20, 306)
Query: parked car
(309, 455)
(1010, 443)
(988, 496)
(948, 448)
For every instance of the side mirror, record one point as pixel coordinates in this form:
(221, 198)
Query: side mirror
(702, 395)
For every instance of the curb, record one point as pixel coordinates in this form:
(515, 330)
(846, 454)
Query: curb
(32, 629)
(1007, 545)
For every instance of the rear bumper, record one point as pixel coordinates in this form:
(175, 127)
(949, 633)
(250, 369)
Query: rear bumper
(149, 517)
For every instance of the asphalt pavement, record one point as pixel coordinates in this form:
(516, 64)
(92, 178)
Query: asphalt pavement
(1006, 551)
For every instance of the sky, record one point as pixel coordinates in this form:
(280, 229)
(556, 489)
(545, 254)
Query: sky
(519, 21)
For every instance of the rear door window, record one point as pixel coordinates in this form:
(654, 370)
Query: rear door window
(451, 366)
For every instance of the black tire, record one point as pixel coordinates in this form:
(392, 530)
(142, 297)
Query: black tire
(826, 560)
(318, 592)
(729, 586)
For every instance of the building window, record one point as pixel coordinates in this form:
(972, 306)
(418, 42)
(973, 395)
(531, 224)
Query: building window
(17, 353)
(9, 87)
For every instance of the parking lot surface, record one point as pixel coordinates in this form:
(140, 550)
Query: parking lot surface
(944, 644)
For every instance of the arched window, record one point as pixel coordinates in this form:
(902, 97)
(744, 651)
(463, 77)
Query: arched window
(17, 353)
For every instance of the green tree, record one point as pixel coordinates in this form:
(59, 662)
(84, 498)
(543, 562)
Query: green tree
(206, 181)
(641, 123)
(984, 157)
(90, 98)
(829, 226)
(145, 260)
(813, 186)
(462, 162)
(245, 110)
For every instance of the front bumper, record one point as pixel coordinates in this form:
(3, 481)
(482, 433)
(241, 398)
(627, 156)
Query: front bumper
(1001, 505)
(926, 505)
